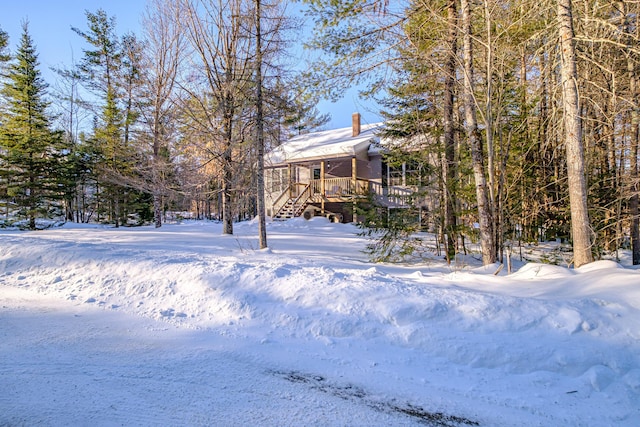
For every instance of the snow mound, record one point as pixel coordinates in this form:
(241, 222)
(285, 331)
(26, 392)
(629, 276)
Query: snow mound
(599, 265)
(544, 330)
(542, 271)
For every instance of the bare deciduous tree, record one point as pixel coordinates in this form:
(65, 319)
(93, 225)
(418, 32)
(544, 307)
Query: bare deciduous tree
(449, 163)
(164, 48)
(220, 81)
(580, 225)
(475, 142)
(262, 228)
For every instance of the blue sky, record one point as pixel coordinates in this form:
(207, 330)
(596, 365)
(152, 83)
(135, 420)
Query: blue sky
(50, 23)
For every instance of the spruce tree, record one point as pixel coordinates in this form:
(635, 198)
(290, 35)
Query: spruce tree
(4, 59)
(297, 106)
(4, 43)
(29, 150)
(106, 73)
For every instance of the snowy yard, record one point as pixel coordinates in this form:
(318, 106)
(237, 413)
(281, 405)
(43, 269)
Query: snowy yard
(184, 326)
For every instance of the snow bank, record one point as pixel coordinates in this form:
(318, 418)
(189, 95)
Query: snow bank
(548, 344)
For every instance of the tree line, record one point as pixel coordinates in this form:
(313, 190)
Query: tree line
(169, 120)
(526, 111)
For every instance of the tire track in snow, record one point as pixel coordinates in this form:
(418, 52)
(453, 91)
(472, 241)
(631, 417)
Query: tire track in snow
(64, 364)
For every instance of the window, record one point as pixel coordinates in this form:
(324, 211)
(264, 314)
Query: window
(277, 180)
(415, 173)
(410, 173)
(396, 175)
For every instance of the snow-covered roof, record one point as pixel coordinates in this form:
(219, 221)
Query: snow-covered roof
(324, 144)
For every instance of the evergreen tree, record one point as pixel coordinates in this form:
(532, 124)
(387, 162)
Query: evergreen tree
(100, 64)
(4, 59)
(110, 69)
(29, 150)
(4, 43)
(413, 114)
(130, 70)
(300, 113)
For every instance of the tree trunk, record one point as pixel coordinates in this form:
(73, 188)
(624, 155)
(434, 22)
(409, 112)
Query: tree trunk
(634, 208)
(31, 199)
(633, 202)
(262, 227)
(155, 172)
(488, 114)
(227, 178)
(218, 34)
(580, 226)
(475, 141)
(157, 210)
(449, 130)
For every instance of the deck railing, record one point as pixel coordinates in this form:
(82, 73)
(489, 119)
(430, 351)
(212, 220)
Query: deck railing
(296, 202)
(298, 188)
(342, 187)
(301, 201)
(339, 187)
(279, 202)
(393, 196)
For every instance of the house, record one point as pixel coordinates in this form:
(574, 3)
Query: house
(326, 173)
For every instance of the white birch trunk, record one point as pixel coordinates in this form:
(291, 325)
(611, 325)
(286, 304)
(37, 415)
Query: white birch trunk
(580, 226)
(487, 242)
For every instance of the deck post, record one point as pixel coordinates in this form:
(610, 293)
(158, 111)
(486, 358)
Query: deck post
(354, 175)
(322, 186)
(290, 180)
(354, 185)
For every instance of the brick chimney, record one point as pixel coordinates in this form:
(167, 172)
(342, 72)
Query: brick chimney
(355, 124)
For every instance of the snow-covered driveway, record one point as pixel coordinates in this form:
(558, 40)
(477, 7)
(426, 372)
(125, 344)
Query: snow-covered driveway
(70, 365)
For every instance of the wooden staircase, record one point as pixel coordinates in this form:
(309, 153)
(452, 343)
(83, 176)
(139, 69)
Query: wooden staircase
(291, 209)
(294, 206)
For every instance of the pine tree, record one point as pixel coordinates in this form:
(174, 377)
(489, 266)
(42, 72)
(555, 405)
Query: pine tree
(29, 149)
(300, 114)
(4, 59)
(108, 140)
(4, 43)
(99, 67)
(109, 69)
